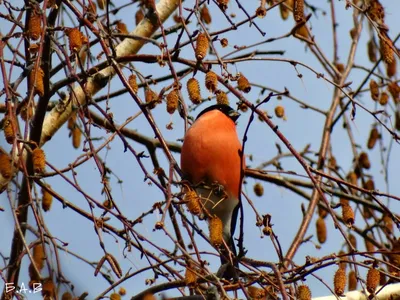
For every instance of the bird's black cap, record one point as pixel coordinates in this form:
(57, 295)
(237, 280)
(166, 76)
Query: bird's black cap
(226, 109)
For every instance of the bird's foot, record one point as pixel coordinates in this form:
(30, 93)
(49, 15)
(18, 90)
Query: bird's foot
(228, 271)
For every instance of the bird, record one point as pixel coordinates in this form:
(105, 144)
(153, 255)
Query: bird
(213, 163)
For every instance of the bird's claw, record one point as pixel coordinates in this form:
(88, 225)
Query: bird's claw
(228, 271)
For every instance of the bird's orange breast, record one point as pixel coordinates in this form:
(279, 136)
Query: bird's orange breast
(211, 152)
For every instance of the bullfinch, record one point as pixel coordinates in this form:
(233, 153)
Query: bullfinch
(213, 163)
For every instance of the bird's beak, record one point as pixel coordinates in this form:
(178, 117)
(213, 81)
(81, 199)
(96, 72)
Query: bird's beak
(234, 115)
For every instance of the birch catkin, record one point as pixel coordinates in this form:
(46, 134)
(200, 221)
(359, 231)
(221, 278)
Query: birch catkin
(202, 45)
(298, 10)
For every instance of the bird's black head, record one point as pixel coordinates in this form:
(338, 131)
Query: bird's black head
(226, 109)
